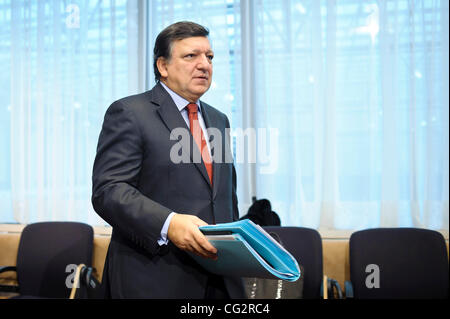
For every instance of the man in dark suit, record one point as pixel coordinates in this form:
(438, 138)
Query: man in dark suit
(154, 202)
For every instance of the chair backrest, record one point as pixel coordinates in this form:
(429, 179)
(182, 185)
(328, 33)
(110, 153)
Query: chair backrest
(391, 263)
(305, 245)
(45, 255)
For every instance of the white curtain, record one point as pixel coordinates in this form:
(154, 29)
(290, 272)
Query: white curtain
(358, 91)
(348, 100)
(68, 61)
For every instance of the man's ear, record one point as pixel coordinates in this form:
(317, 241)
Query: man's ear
(161, 64)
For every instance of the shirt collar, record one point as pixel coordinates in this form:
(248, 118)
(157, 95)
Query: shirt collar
(180, 102)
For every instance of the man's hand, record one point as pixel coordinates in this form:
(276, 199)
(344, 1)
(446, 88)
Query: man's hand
(184, 233)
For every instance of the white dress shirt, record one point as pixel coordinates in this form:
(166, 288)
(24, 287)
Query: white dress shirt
(181, 104)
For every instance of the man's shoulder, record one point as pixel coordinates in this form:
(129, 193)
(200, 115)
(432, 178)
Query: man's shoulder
(134, 100)
(140, 100)
(211, 110)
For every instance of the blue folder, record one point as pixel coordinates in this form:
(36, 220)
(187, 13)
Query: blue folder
(245, 249)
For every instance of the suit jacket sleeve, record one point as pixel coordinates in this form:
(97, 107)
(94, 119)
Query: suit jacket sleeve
(116, 197)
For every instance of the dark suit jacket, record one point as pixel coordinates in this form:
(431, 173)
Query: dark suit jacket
(136, 186)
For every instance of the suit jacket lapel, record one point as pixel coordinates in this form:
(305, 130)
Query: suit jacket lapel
(173, 119)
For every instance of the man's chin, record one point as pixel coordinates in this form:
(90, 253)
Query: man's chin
(200, 89)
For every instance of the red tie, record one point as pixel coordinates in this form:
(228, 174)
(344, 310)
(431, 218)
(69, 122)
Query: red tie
(199, 138)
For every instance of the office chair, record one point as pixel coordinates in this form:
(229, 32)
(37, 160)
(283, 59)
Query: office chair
(306, 246)
(49, 253)
(397, 263)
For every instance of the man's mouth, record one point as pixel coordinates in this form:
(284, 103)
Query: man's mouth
(201, 78)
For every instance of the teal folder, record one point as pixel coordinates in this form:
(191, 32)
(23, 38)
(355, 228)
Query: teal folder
(245, 249)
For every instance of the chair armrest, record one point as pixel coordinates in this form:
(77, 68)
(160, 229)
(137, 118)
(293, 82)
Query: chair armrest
(88, 277)
(7, 268)
(348, 290)
(8, 288)
(332, 289)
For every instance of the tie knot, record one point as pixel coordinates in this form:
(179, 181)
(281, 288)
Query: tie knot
(192, 108)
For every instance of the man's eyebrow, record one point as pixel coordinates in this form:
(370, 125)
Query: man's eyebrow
(200, 51)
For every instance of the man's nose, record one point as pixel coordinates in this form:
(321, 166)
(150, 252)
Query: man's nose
(204, 63)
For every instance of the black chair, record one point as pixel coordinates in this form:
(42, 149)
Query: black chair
(305, 245)
(397, 263)
(49, 259)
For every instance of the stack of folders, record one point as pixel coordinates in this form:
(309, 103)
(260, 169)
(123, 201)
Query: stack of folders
(245, 249)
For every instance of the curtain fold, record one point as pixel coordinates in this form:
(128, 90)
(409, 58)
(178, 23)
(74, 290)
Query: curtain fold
(69, 62)
(355, 90)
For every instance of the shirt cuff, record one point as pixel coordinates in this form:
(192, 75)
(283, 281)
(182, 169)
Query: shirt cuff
(163, 239)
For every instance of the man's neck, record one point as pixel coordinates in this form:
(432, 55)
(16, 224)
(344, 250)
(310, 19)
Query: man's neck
(188, 99)
(179, 101)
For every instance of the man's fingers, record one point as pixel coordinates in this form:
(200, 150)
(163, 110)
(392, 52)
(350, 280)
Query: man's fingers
(199, 222)
(184, 232)
(200, 251)
(203, 246)
(203, 242)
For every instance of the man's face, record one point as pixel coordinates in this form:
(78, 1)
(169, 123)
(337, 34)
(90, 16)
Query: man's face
(189, 70)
